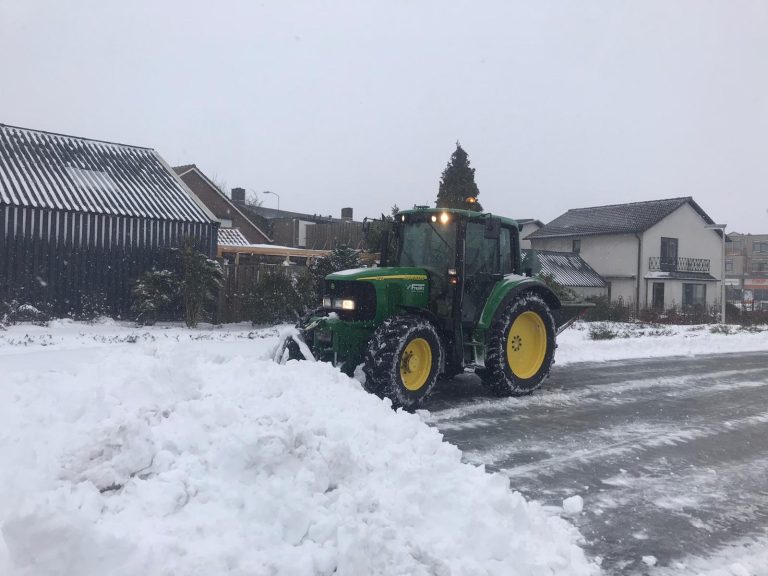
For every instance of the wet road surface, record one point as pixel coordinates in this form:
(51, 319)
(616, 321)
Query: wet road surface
(669, 454)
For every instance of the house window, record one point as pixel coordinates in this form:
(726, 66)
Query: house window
(729, 265)
(658, 296)
(576, 246)
(759, 266)
(760, 247)
(694, 295)
(668, 255)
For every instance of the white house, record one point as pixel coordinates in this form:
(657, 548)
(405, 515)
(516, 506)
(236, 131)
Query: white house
(527, 227)
(656, 254)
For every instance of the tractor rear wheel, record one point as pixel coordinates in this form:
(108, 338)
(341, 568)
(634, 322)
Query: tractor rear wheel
(403, 360)
(521, 347)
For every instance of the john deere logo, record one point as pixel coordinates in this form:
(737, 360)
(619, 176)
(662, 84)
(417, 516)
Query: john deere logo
(416, 287)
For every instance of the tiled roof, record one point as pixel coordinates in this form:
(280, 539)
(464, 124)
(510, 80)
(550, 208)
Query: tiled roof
(232, 237)
(615, 218)
(46, 170)
(568, 268)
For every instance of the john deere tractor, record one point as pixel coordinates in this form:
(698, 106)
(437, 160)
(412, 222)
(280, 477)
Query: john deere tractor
(451, 295)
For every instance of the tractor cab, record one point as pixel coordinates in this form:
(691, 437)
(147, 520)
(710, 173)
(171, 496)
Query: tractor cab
(464, 254)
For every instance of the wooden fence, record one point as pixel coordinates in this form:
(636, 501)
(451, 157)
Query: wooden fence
(239, 279)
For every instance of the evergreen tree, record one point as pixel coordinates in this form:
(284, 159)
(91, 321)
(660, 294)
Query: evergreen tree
(458, 183)
(201, 280)
(377, 229)
(341, 258)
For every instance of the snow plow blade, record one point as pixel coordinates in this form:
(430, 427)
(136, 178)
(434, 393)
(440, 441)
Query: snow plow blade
(569, 312)
(291, 346)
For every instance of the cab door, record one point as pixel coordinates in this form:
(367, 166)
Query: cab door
(481, 268)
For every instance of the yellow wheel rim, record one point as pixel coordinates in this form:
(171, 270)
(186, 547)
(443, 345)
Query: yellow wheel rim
(416, 364)
(526, 345)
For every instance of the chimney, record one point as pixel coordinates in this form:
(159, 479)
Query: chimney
(238, 195)
(346, 214)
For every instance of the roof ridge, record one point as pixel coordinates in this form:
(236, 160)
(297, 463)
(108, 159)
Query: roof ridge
(2, 125)
(686, 198)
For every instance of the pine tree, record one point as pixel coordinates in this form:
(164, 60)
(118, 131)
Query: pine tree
(458, 183)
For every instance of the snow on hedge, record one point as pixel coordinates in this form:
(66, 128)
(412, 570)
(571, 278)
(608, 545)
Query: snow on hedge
(627, 341)
(159, 451)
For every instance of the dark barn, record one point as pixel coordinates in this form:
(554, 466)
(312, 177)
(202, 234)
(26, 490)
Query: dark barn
(81, 219)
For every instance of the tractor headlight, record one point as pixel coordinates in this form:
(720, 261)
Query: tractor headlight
(327, 302)
(343, 304)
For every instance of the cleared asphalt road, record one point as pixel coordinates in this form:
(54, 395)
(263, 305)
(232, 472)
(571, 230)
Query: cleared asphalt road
(669, 454)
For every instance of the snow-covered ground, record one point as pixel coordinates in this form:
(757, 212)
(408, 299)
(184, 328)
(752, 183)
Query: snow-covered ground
(152, 451)
(647, 340)
(130, 450)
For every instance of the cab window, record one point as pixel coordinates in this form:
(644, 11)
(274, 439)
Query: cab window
(481, 254)
(505, 249)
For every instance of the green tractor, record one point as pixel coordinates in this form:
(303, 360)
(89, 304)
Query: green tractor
(451, 295)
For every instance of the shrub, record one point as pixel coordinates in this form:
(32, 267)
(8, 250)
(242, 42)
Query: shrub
(607, 311)
(156, 295)
(602, 332)
(280, 296)
(14, 312)
(191, 284)
(721, 329)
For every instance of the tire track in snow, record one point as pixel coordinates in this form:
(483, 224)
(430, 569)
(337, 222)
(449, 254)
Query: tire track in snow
(670, 458)
(490, 410)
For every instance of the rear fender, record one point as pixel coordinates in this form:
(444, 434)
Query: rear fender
(507, 290)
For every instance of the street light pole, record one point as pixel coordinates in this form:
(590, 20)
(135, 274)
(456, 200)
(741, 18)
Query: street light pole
(721, 227)
(274, 194)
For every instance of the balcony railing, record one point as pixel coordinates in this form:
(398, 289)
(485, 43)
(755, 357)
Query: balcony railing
(662, 264)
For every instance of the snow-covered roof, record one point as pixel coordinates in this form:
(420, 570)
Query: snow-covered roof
(46, 170)
(567, 268)
(232, 237)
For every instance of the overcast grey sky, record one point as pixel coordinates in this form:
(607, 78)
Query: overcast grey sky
(355, 103)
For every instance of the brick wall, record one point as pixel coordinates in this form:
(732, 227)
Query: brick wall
(221, 208)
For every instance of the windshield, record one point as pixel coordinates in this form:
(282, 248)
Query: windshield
(428, 245)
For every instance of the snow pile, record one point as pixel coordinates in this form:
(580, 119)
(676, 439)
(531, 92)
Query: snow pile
(646, 341)
(198, 457)
(573, 505)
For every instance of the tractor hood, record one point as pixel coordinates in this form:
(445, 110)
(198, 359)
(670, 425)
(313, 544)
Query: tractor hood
(376, 293)
(380, 274)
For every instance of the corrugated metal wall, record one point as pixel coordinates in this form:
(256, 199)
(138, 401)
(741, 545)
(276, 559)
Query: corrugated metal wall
(72, 264)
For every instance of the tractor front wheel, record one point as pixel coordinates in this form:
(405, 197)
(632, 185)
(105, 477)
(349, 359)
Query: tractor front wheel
(403, 360)
(521, 347)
